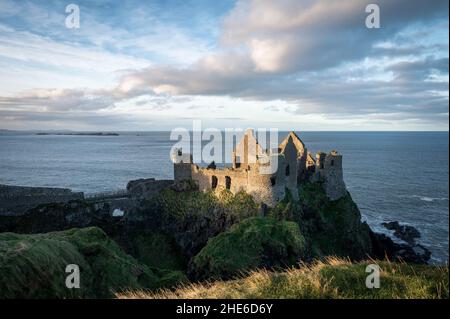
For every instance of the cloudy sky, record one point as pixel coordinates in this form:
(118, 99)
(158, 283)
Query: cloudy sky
(291, 64)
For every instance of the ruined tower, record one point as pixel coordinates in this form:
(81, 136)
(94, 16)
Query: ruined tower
(329, 171)
(251, 171)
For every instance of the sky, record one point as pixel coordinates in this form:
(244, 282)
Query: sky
(287, 64)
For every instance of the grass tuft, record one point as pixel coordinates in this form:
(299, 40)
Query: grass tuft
(330, 278)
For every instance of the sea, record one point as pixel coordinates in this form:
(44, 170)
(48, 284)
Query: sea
(401, 176)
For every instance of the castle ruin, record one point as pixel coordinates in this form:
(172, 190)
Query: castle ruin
(250, 170)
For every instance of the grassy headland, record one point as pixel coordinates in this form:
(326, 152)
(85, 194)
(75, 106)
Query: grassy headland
(203, 243)
(331, 278)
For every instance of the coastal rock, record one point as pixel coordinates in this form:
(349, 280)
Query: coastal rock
(334, 227)
(383, 246)
(404, 232)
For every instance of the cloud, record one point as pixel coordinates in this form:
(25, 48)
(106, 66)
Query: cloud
(290, 35)
(316, 54)
(287, 37)
(60, 100)
(316, 57)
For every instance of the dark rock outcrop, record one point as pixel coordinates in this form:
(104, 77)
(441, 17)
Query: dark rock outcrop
(383, 246)
(334, 227)
(404, 232)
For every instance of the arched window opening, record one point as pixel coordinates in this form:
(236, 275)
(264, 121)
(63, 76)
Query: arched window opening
(214, 182)
(238, 161)
(287, 170)
(228, 182)
(273, 181)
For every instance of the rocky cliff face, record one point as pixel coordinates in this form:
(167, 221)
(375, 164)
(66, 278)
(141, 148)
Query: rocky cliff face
(335, 228)
(193, 217)
(330, 227)
(180, 223)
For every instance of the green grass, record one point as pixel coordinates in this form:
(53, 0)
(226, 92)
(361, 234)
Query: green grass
(254, 242)
(33, 266)
(156, 250)
(171, 206)
(333, 278)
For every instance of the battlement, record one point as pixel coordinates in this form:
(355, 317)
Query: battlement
(249, 170)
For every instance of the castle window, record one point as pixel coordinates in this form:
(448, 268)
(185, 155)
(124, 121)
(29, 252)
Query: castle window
(287, 170)
(321, 165)
(228, 182)
(332, 162)
(214, 182)
(273, 181)
(237, 160)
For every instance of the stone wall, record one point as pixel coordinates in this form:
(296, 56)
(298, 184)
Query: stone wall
(329, 171)
(16, 200)
(146, 188)
(265, 188)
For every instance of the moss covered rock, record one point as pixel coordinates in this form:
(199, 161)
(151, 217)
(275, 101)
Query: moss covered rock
(254, 242)
(33, 266)
(156, 250)
(334, 228)
(192, 217)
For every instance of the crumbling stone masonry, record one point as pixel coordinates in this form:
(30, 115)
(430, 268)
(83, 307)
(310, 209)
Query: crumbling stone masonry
(250, 170)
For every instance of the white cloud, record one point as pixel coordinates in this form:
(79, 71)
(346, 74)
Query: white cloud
(301, 63)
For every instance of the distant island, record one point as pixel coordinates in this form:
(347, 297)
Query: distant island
(80, 133)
